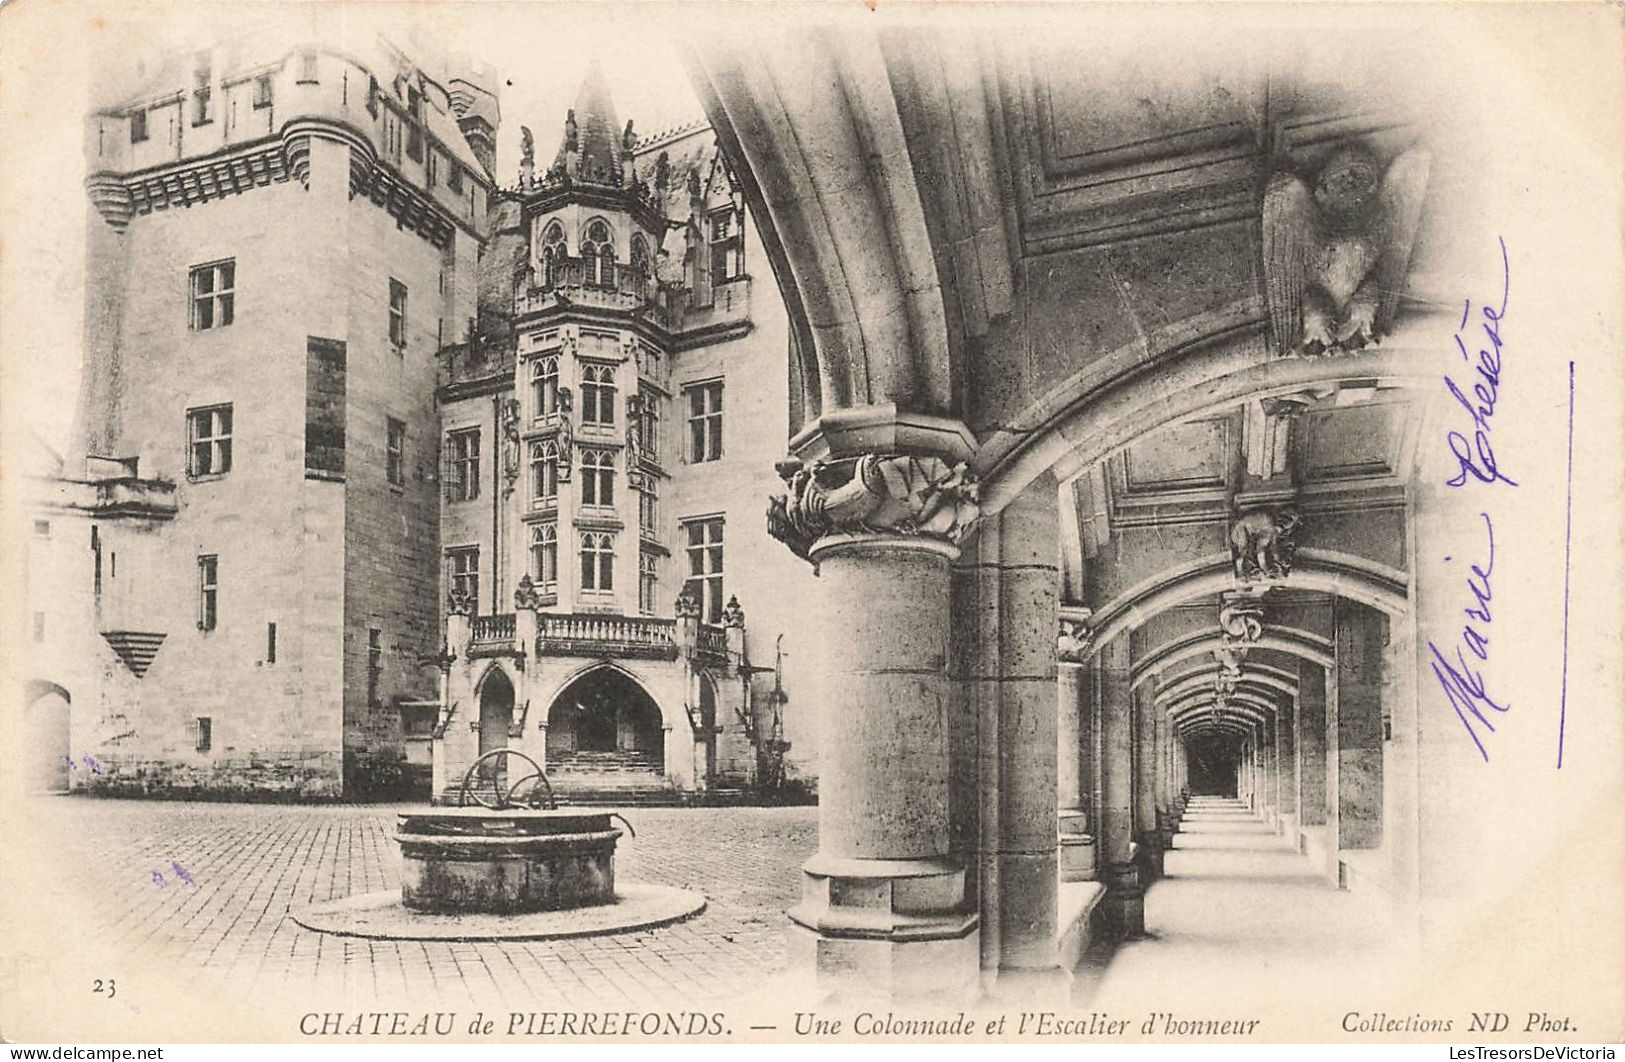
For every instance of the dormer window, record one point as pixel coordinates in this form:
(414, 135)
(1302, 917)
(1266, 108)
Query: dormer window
(202, 91)
(727, 250)
(262, 91)
(138, 126)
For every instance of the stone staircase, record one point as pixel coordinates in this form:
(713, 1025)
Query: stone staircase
(622, 779)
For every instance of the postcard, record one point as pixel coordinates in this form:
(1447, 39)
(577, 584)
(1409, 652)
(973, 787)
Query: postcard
(536, 523)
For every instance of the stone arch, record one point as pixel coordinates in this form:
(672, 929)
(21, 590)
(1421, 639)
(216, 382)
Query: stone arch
(1081, 422)
(34, 689)
(603, 715)
(1302, 644)
(47, 735)
(1338, 574)
(1203, 678)
(495, 696)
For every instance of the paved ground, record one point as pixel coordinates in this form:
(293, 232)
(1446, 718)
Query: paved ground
(1244, 925)
(251, 863)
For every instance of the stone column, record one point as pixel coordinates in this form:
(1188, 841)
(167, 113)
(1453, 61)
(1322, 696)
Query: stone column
(1286, 768)
(455, 742)
(1334, 805)
(1266, 769)
(1359, 641)
(1029, 581)
(1073, 712)
(884, 908)
(1124, 902)
(1147, 829)
(1310, 746)
(1166, 819)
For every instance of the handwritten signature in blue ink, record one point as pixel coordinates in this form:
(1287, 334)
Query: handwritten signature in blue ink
(180, 872)
(1462, 682)
(1477, 459)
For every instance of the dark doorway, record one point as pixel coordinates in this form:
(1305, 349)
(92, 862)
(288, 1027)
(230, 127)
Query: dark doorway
(605, 717)
(1211, 763)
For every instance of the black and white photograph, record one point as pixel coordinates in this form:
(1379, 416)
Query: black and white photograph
(867, 522)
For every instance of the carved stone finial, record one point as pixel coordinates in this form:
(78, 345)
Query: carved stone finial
(732, 614)
(1261, 543)
(459, 602)
(688, 604)
(525, 595)
(527, 144)
(897, 494)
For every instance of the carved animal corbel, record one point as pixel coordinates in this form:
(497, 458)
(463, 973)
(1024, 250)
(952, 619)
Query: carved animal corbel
(1261, 543)
(1337, 247)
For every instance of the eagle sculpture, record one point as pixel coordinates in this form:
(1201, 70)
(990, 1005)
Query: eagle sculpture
(1337, 247)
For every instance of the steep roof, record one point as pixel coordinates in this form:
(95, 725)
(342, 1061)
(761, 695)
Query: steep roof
(592, 126)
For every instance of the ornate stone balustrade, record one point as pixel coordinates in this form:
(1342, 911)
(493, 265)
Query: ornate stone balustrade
(578, 282)
(488, 631)
(711, 641)
(590, 635)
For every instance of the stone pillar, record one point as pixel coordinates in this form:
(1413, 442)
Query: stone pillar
(455, 743)
(1073, 712)
(1029, 582)
(1167, 820)
(1360, 638)
(884, 908)
(1310, 745)
(1333, 783)
(1286, 767)
(1267, 779)
(881, 899)
(1147, 828)
(1124, 902)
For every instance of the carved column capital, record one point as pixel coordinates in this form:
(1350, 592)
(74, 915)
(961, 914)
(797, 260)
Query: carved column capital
(896, 494)
(525, 595)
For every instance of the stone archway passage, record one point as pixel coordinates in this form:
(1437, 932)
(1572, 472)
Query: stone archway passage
(496, 711)
(46, 738)
(605, 721)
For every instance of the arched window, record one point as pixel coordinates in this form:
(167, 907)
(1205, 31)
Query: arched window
(544, 384)
(597, 560)
(597, 477)
(598, 254)
(552, 255)
(544, 557)
(544, 472)
(648, 583)
(640, 263)
(598, 394)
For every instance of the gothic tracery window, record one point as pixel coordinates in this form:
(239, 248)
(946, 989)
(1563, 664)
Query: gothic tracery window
(552, 255)
(598, 254)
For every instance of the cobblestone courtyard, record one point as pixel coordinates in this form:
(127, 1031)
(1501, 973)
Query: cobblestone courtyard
(228, 930)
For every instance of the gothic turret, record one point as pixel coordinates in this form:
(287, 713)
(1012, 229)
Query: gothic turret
(591, 150)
